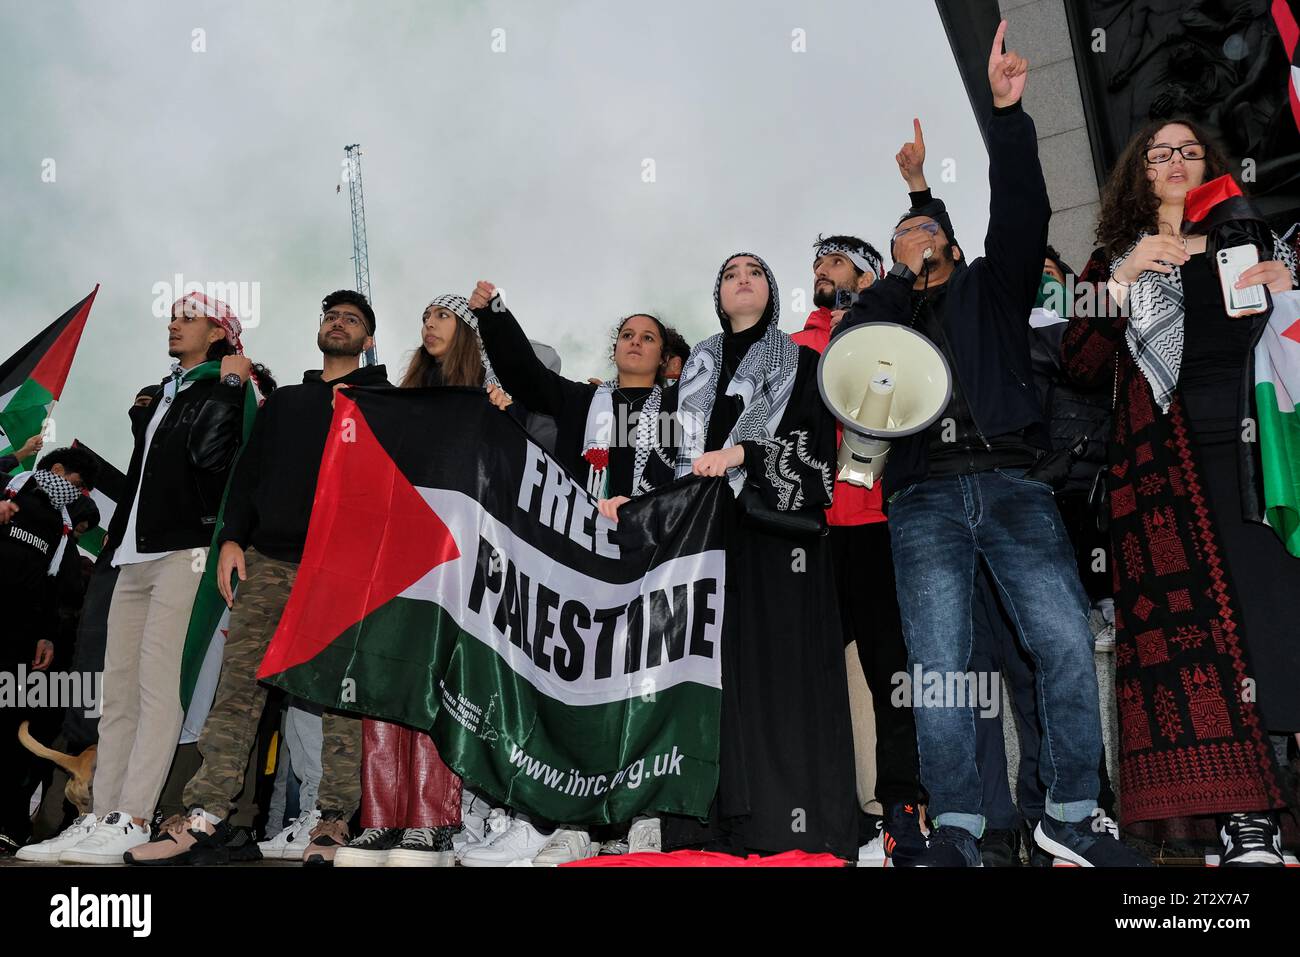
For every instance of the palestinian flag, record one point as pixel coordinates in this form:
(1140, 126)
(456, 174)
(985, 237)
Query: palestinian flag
(456, 578)
(32, 379)
(1286, 16)
(1277, 390)
(110, 488)
(205, 636)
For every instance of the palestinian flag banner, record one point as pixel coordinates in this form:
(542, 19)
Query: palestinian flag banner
(1286, 17)
(457, 578)
(110, 488)
(31, 380)
(1277, 390)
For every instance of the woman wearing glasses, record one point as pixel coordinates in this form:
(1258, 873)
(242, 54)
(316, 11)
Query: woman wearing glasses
(1206, 656)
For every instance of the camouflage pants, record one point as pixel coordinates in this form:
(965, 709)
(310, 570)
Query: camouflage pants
(228, 736)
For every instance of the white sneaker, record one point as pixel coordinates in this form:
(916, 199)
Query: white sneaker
(112, 837)
(613, 848)
(872, 853)
(47, 852)
(520, 842)
(563, 847)
(476, 833)
(644, 837)
(289, 844)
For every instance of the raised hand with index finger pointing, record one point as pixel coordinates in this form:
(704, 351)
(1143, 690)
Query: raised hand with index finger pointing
(911, 159)
(1007, 71)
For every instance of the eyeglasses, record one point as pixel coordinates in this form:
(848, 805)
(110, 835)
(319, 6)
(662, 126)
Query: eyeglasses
(1163, 154)
(347, 318)
(931, 228)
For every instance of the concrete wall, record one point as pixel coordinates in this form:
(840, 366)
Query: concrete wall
(1039, 31)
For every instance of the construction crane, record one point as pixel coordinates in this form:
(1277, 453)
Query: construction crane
(360, 255)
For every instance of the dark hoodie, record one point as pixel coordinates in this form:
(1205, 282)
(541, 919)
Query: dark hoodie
(978, 318)
(274, 483)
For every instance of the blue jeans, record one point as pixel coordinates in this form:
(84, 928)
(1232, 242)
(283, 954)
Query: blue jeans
(940, 529)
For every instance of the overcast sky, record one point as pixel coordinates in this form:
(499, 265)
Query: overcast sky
(526, 167)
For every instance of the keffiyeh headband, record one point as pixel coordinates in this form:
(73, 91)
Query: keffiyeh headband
(460, 306)
(199, 306)
(860, 256)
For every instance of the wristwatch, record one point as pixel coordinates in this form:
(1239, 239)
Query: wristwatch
(232, 379)
(902, 271)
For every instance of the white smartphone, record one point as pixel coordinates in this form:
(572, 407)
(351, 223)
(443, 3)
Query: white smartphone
(1233, 261)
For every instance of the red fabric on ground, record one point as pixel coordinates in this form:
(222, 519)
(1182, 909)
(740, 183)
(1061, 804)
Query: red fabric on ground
(710, 859)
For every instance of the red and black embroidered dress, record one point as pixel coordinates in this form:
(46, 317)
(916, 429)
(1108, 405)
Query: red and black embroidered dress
(1196, 586)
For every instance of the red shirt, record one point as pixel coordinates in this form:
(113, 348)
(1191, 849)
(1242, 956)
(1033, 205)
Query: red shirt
(851, 504)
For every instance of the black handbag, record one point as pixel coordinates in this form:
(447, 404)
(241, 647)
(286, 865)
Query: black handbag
(806, 523)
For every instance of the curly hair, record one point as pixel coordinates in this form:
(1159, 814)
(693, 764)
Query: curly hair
(618, 329)
(1129, 206)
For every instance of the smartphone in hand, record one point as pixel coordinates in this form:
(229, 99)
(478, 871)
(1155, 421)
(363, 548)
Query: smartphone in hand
(1232, 262)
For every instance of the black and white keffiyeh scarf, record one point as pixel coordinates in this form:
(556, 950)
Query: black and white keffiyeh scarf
(763, 382)
(61, 494)
(599, 436)
(460, 306)
(860, 256)
(1155, 326)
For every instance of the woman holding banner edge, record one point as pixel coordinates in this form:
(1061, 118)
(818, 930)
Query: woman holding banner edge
(619, 439)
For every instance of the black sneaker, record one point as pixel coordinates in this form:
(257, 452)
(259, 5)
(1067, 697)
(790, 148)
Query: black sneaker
(175, 846)
(239, 846)
(1250, 840)
(370, 849)
(424, 847)
(904, 842)
(1037, 856)
(1092, 842)
(951, 847)
(1000, 848)
(8, 845)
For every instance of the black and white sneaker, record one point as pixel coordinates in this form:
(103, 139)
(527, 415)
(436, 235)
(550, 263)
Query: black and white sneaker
(1250, 840)
(370, 849)
(950, 847)
(1092, 842)
(424, 847)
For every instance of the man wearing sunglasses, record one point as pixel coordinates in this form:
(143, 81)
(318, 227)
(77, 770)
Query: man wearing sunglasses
(962, 497)
(262, 539)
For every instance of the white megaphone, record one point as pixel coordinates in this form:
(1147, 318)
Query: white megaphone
(882, 381)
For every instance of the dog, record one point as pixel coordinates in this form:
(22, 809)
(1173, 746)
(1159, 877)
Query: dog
(81, 769)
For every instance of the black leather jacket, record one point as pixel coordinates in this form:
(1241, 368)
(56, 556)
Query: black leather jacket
(185, 469)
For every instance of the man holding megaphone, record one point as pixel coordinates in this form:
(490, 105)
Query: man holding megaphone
(962, 492)
(843, 266)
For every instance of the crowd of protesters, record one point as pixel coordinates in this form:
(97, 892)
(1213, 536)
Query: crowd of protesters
(1071, 433)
